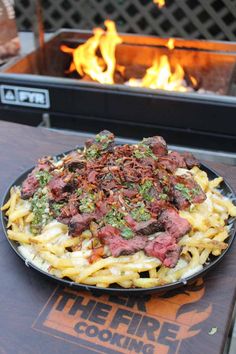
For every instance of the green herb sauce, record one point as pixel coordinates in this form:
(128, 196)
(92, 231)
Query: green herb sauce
(140, 213)
(40, 209)
(43, 177)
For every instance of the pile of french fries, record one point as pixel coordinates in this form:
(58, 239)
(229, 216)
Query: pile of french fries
(59, 254)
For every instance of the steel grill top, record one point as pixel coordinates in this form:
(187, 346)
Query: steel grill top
(209, 19)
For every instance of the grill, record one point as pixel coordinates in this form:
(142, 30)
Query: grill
(37, 85)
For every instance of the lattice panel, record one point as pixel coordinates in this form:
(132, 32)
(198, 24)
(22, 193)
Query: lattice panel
(210, 19)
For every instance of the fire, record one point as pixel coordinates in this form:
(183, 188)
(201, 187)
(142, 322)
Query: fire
(160, 3)
(160, 76)
(193, 80)
(96, 59)
(171, 43)
(86, 61)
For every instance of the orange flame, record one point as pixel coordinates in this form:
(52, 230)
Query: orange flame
(171, 43)
(160, 3)
(159, 76)
(96, 59)
(193, 80)
(86, 61)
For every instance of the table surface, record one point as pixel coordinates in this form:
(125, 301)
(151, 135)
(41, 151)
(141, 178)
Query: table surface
(38, 316)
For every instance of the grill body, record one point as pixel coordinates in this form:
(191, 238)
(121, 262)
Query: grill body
(202, 120)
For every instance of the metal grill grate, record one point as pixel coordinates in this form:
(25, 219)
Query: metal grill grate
(209, 19)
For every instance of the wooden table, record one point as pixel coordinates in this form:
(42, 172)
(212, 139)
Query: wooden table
(37, 316)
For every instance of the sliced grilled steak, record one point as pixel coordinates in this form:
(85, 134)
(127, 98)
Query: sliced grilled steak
(29, 186)
(59, 186)
(164, 247)
(158, 205)
(132, 223)
(147, 227)
(31, 183)
(101, 209)
(104, 141)
(190, 160)
(68, 210)
(130, 193)
(110, 236)
(172, 161)
(157, 145)
(185, 190)
(79, 223)
(174, 224)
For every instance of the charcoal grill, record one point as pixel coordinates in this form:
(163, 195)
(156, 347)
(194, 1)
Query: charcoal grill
(204, 119)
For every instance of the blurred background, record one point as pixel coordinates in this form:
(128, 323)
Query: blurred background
(203, 19)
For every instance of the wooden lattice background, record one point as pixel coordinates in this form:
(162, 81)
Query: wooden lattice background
(210, 19)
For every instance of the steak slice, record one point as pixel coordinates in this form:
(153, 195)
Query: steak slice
(29, 186)
(172, 161)
(110, 236)
(190, 160)
(157, 144)
(68, 210)
(130, 193)
(174, 224)
(59, 187)
(185, 190)
(158, 205)
(164, 248)
(147, 227)
(79, 223)
(104, 141)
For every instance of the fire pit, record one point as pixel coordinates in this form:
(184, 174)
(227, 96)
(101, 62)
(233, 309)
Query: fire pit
(189, 94)
(103, 59)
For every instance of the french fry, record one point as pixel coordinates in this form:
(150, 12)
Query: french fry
(153, 273)
(19, 236)
(107, 279)
(147, 282)
(6, 205)
(204, 256)
(29, 218)
(17, 214)
(215, 182)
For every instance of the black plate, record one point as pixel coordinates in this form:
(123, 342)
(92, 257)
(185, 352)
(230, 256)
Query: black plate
(226, 191)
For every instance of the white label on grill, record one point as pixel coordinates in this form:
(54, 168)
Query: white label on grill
(24, 96)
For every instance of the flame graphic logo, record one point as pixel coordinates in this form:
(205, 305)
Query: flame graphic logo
(185, 308)
(123, 323)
